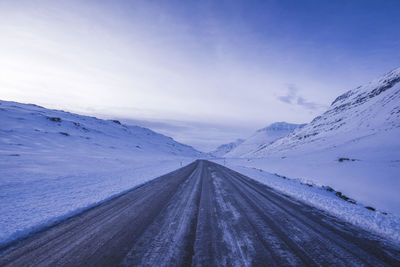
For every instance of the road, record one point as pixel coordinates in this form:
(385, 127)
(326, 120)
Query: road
(202, 215)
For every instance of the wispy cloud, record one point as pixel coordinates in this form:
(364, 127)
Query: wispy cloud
(292, 97)
(307, 104)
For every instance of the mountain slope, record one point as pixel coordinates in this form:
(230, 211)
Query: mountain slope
(226, 148)
(367, 112)
(353, 147)
(262, 138)
(54, 164)
(33, 127)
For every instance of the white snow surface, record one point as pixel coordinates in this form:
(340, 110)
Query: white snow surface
(262, 138)
(54, 164)
(225, 148)
(377, 222)
(362, 129)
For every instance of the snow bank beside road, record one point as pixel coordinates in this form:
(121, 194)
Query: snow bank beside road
(36, 202)
(385, 225)
(54, 164)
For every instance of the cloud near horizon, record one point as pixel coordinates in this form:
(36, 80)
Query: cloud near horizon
(196, 134)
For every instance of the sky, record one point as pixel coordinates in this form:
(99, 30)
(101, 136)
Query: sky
(204, 72)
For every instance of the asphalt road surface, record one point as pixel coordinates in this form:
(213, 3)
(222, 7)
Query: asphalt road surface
(202, 215)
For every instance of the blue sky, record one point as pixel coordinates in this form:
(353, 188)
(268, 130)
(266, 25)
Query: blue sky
(218, 70)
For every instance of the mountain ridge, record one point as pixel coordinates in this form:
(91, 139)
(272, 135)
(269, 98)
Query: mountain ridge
(366, 110)
(353, 147)
(39, 122)
(263, 137)
(223, 149)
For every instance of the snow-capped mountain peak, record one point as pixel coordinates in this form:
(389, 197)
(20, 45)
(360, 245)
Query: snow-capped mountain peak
(262, 138)
(226, 148)
(372, 89)
(365, 111)
(354, 146)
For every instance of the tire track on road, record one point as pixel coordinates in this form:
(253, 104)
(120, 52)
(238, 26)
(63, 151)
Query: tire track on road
(203, 214)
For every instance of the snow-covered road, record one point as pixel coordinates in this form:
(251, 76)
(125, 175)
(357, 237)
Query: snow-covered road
(203, 215)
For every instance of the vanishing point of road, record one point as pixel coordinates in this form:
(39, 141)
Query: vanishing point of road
(203, 214)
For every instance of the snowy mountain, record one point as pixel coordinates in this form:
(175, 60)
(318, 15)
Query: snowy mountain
(225, 148)
(54, 164)
(33, 129)
(353, 147)
(368, 115)
(262, 138)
